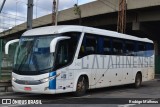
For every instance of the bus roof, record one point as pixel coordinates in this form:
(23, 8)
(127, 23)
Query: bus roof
(73, 28)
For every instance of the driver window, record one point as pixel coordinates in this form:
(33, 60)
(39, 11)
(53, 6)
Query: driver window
(63, 54)
(65, 50)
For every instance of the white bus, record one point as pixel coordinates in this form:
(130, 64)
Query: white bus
(60, 59)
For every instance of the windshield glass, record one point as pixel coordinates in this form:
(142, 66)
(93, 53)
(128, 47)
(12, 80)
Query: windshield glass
(33, 55)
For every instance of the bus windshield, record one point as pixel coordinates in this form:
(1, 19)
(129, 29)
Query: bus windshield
(33, 55)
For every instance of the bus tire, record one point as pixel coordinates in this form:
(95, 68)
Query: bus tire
(81, 86)
(138, 80)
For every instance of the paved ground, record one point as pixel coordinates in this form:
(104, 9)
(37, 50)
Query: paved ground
(150, 90)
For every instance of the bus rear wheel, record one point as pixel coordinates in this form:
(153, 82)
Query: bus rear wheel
(138, 80)
(81, 86)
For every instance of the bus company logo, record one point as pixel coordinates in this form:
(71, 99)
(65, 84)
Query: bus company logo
(6, 101)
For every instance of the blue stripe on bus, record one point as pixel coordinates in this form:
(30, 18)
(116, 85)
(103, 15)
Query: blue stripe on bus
(52, 83)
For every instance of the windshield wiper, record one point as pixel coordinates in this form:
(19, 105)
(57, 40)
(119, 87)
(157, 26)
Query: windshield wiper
(26, 56)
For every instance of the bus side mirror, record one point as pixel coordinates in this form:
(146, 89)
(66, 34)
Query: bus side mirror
(55, 41)
(8, 43)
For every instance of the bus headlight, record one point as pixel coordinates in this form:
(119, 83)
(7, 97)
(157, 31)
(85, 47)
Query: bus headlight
(44, 80)
(50, 78)
(13, 79)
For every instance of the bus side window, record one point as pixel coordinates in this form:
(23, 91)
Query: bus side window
(129, 48)
(149, 49)
(89, 46)
(107, 46)
(117, 47)
(141, 49)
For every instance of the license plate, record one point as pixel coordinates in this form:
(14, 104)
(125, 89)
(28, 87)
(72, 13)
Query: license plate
(27, 88)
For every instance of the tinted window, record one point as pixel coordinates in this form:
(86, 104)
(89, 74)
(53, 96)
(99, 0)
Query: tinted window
(141, 49)
(62, 53)
(66, 49)
(129, 48)
(98, 44)
(117, 47)
(106, 46)
(149, 49)
(73, 41)
(89, 45)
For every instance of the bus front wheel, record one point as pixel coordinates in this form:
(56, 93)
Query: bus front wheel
(81, 86)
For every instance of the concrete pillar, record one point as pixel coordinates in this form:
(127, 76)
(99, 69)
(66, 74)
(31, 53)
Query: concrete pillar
(29, 14)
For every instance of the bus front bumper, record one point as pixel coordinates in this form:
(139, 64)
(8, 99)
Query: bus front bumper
(41, 88)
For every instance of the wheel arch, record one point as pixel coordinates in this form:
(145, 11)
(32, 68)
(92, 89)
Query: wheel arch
(139, 72)
(135, 74)
(77, 77)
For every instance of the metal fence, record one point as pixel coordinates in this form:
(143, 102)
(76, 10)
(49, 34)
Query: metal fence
(0, 57)
(6, 61)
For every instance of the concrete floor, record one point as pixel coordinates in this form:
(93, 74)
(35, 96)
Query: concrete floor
(118, 96)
